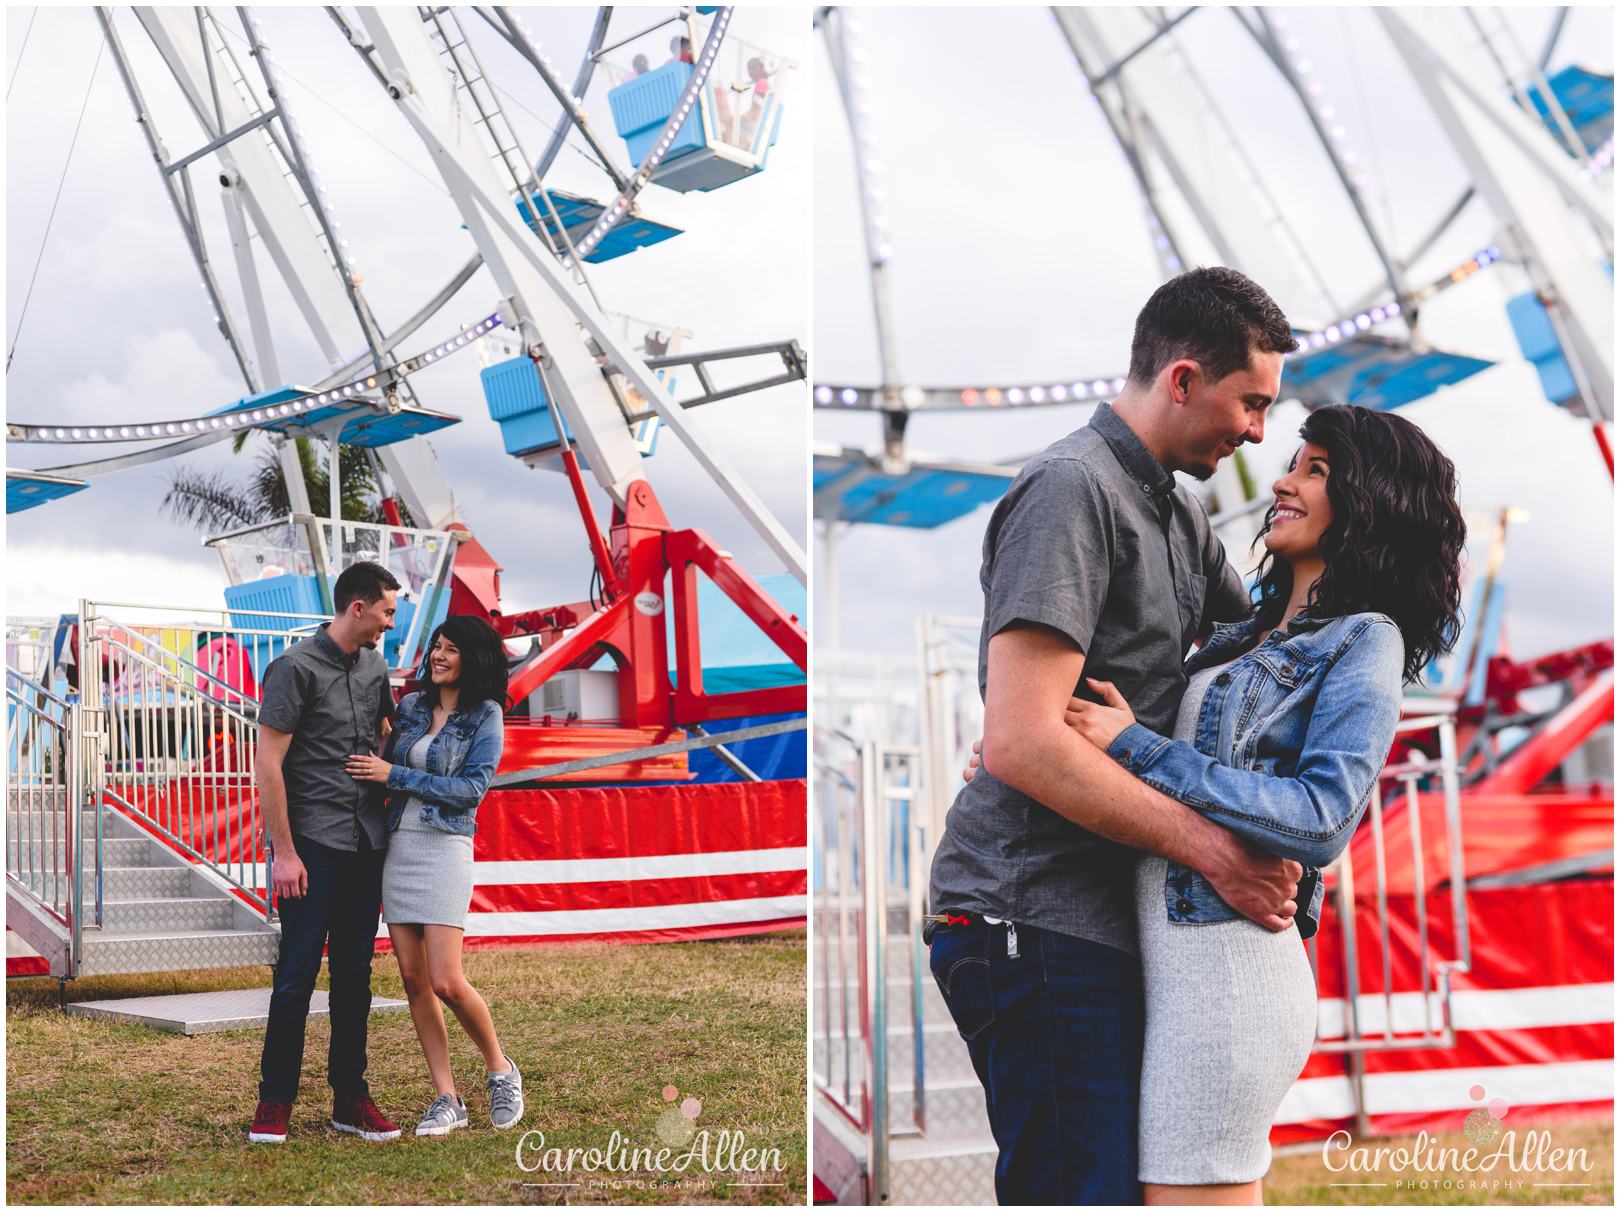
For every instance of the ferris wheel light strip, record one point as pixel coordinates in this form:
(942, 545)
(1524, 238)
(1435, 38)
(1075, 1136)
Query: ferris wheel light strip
(1334, 333)
(689, 97)
(912, 399)
(348, 393)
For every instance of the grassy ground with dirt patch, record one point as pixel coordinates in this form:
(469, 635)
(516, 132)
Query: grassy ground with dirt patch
(1304, 1178)
(99, 1112)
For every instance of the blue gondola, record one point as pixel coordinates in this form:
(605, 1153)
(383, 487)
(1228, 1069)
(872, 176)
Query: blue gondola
(1587, 98)
(578, 213)
(517, 403)
(729, 134)
(1539, 343)
(1374, 372)
(374, 429)
(26, 489)
(921, 498)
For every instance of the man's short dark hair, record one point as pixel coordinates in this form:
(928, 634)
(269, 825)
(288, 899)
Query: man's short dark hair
(363, 582)
(1212, 315)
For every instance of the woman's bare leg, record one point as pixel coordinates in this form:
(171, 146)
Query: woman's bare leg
(1219, 1195)
(410, 949)
(448, 982)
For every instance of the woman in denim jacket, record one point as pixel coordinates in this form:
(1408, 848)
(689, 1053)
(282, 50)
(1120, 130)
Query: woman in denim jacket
(1286, 722)
(437, 765)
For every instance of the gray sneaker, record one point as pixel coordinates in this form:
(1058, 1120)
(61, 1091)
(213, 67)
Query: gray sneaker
(505, 1096)
(447, 1112)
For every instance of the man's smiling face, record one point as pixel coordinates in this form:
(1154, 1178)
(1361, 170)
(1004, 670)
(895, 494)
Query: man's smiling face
(1221, 416)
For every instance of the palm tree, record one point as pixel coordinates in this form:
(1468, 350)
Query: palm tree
(213, 502)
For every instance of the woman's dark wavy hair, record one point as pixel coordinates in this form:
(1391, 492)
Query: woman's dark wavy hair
(483, 663)
(1396, 539)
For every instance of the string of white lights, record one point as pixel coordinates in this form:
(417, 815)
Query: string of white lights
(351, 393)
(346, 263)
(1601, 159)
(1348, 327)
(868, 166)
(1323, 110)
(1079, 391)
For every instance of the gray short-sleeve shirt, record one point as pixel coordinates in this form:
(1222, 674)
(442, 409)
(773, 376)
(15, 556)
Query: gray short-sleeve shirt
(1095, 539)
(332, 702)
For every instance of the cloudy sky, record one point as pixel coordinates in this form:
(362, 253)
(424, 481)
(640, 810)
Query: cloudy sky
(118, 329)
(1021, 256)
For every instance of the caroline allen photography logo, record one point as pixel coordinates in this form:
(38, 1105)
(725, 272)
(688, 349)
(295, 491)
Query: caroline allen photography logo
(1439, 1165)
(676, 1128)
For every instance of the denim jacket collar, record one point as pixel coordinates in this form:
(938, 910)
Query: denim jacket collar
(1228, 641)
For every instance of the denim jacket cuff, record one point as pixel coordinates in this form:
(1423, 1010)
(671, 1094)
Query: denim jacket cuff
(1136, 747)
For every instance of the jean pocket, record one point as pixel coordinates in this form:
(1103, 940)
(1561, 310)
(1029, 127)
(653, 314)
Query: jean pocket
(961, 968)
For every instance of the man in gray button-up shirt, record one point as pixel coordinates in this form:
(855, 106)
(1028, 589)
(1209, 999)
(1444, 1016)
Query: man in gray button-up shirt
(325, 698)
(1096, 564)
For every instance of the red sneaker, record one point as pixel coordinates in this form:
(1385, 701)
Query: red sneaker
(270, 1123)
(360, 1116)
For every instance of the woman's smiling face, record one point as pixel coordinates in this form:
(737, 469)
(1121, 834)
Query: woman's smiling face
(1303, 512)
(444, 663)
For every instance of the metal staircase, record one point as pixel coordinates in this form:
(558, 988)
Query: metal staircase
(133, 840)
(881, 1034)
(157, 912)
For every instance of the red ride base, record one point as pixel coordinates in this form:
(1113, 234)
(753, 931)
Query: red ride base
(638, 864)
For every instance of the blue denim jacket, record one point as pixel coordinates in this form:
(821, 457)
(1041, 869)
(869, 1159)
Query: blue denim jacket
(461, 761)
(1290, 740)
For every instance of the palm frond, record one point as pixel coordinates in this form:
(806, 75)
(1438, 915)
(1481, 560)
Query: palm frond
(209, 501)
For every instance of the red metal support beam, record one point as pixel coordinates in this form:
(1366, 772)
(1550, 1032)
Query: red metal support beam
(604, 627)
(1505, 678)
(1538, 756)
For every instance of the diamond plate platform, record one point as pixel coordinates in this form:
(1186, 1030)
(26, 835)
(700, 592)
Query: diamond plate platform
(953, 1163)
(160, 912)
(200, 1013)
(961, 1173)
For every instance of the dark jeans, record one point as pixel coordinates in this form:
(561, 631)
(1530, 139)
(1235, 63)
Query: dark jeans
(1056, 1039)
(342, 904)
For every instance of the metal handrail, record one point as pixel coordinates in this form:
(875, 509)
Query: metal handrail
(857, 846)
(170, 752)
(44, 777)
(35, 687)
(1355, 1042)
(157, 667)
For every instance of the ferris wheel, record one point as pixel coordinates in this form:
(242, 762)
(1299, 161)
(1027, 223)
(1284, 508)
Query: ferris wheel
(574, 387)
(1538, 151)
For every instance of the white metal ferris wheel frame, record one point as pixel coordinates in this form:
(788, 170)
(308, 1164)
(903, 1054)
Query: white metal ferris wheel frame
(540, 299)
(1523, 173)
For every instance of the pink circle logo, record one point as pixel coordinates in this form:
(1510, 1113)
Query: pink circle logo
(677, 1125)
(1483, 1125)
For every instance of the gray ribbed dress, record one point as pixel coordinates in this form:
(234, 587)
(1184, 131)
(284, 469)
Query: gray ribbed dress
(1231, 1014)
(428, 874)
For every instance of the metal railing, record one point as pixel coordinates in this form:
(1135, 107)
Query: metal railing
(1417, 715)
(170, 735)
(44, 801)
(869, 847)
(838, 885)
(162, 728)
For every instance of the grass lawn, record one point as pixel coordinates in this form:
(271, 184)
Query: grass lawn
(99, 1112)
(1305, 1179)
